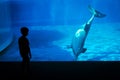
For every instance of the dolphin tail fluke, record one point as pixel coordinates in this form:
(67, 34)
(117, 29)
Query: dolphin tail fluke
(99, 14)
(96, 13)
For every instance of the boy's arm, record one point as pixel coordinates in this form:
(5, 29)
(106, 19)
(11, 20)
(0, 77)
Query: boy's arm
(30, 53)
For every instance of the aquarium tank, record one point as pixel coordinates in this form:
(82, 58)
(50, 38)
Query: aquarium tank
(53, 24)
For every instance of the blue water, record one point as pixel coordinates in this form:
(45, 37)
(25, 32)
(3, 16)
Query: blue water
(52, 24)
(60, 12)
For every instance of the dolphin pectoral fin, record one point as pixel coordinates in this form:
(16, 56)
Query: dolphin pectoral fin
(68, 46)
(84, 50)
(81, 51)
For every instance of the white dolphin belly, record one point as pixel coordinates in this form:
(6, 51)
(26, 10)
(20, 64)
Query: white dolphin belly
(78, 41)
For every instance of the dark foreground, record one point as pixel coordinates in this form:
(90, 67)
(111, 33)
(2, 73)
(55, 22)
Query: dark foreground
(61, 70)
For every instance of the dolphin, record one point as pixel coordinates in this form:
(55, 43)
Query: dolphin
(80, 35)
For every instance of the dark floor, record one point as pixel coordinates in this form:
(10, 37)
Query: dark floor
(61, 70)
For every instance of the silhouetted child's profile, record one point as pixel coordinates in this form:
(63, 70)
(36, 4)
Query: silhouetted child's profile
(24, 49)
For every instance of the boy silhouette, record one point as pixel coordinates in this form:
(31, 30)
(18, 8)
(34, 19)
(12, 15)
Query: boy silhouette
(24, 49)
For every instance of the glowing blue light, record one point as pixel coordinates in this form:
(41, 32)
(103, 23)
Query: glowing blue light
(52, 25)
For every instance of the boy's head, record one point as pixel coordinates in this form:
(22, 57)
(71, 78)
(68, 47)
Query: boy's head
(24, 31)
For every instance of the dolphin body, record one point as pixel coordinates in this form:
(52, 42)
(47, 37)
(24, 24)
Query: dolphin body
(81, 34)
